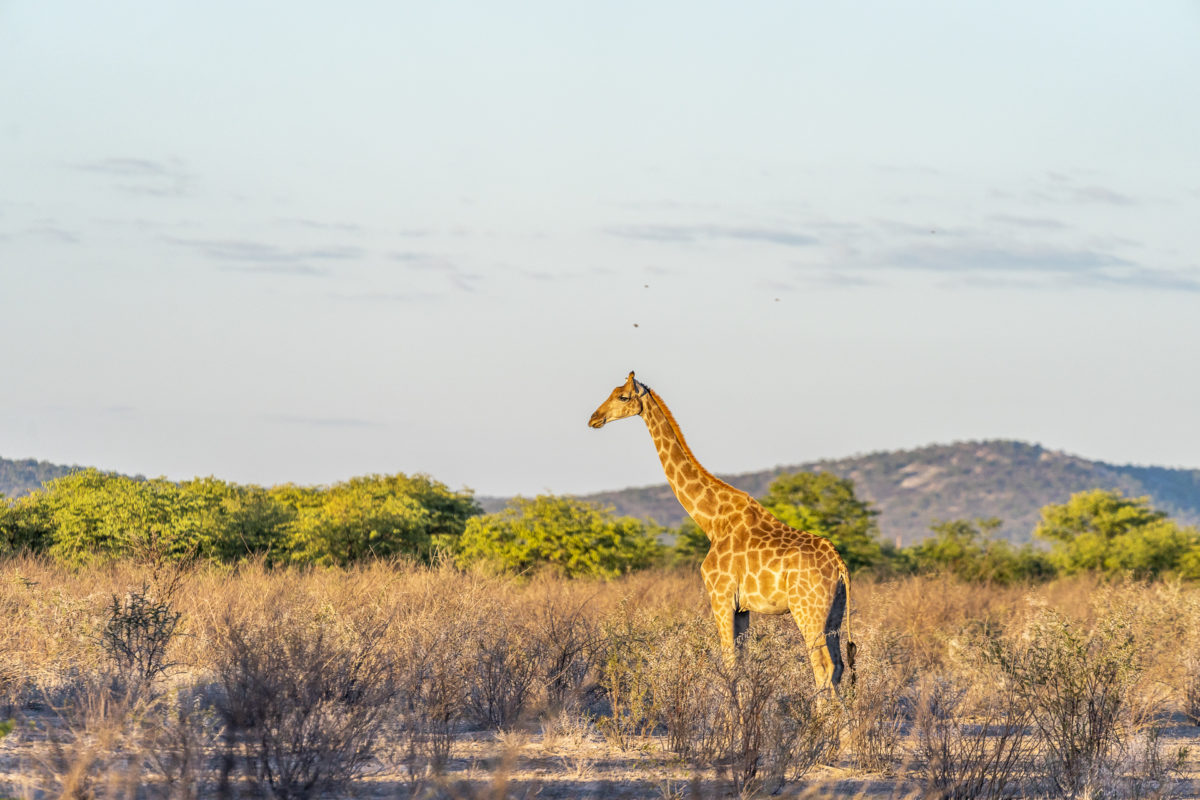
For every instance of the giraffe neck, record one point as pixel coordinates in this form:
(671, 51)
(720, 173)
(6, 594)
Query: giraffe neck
(699, 492)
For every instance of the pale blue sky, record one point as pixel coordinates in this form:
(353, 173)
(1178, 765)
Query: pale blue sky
(304, 241)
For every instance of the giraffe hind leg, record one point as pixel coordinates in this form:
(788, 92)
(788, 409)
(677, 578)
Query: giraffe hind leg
(818, 655)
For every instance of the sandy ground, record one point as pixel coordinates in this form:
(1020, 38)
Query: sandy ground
(548, 762)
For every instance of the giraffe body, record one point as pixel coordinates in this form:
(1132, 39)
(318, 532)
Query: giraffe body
(755, 562)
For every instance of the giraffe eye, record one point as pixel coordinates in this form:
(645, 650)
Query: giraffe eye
(624, 398)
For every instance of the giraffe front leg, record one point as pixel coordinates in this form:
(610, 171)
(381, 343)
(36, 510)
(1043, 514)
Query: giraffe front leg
(723, 616)
(726, 615)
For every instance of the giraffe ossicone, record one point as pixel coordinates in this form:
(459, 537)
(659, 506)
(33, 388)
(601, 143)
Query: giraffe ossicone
(755, 562)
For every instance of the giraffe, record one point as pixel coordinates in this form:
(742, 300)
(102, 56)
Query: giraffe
(755, 562)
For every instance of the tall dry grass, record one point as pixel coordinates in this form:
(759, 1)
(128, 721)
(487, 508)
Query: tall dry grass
(430, 682)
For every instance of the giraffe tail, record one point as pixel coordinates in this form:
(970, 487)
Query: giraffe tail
(851, 647)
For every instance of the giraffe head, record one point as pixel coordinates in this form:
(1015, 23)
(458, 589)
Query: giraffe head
(625, 401)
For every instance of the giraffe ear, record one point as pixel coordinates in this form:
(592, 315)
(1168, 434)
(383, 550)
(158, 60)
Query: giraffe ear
(630, 376)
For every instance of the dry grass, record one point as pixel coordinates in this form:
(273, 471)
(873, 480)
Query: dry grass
(391, 680)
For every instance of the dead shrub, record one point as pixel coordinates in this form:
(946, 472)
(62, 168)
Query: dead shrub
(758, 718)
(432, 688)
(771, 723)
(879, 702)
(1188, 663)
(1075, 684)
(105, 744)
(303, 704)
(626, 646)
(679, 668)
(85, 753)
(970, 746)
(182, 733)
(803, 730)
(1191, 688)
(502, 670)
(567, 640)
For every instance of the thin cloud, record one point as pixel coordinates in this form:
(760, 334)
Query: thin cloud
(51, 232)
(126, 167)
(889, 226)
(454, 274)
(1101, 194)
(243, 255)
(827, 277)
(997, 258)
(689, 234)
(142, 176)
(1031, 266)
(1065, 189)
(1145, 278)
(1037, 223)
(843, 279)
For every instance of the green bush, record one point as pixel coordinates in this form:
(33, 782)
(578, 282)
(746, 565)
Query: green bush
(374, 516)
(91, 516)
(97, 515)
(1102, 530)
(24, 526)
(570, 536)
(966, 549)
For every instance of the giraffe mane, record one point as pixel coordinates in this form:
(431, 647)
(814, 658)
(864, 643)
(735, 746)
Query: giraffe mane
(687, 450)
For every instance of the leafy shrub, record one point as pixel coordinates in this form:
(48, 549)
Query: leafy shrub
(967, 550)
(570, 536)
(25, 525)
(376, 516)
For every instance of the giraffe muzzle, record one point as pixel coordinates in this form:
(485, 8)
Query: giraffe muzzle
(597, 421)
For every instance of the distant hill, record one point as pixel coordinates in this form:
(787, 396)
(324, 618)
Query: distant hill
(19, 477)
(913, 488)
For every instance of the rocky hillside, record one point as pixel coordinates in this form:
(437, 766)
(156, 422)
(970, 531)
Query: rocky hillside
(913, 488)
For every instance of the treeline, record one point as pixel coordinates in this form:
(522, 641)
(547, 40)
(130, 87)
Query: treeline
(92, 516)
(89, 517)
